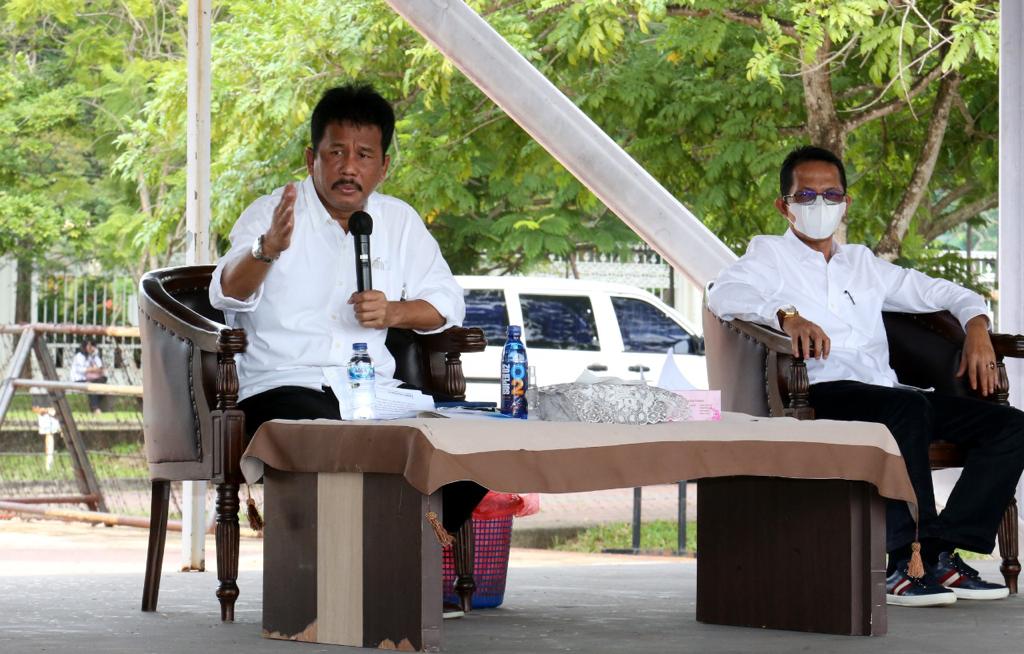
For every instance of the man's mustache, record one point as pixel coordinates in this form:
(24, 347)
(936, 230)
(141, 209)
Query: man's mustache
(343, 181)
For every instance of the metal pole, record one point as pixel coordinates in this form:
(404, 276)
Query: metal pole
(69, 515)
(1010, 274)
(681, 520)
(197, 224)
(547, 115)
(637, 500)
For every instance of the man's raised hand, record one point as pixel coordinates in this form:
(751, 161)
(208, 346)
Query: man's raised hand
(807, 337)
(279, 237)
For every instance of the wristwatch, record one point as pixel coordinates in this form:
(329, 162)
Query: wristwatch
(257, 251)
(788, 311)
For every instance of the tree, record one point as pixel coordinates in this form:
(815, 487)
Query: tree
(906, 91)
(708, 95)
(74, 79)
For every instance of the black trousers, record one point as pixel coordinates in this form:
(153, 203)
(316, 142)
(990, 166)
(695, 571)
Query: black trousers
(992, 434)
(458, 499)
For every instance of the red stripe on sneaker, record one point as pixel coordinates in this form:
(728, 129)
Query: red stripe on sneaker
(952, 579)
(900, 587)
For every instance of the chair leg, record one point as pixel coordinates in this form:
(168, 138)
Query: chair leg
(1008, 545)
(227, 549)
(463, 553)
(157, 537)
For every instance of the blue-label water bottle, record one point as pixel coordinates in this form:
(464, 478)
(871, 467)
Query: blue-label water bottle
(361, 378)
(514, 377)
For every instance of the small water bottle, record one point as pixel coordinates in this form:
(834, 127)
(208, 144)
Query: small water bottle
(361, 377)
(514, 375)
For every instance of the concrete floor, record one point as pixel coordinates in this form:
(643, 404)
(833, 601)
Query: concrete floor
(72, 589)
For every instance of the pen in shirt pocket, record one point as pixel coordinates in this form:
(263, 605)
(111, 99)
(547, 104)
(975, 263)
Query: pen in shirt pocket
(402, 299)
(852, 301)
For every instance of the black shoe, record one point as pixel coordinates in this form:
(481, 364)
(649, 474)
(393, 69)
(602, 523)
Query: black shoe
(903, 590)
(965, 582)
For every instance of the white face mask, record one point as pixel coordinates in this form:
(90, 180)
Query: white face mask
(818, 220)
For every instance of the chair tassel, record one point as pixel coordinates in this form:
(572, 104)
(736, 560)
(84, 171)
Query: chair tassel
(442, 534)
(916, 566)
(251, 512)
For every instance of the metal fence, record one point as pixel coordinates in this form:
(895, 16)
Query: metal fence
(85, 299)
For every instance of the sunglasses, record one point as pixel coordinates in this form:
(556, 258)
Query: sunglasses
(807, 196)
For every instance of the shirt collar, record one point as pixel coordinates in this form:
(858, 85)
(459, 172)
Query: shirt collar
(317, 209)
(802, 250)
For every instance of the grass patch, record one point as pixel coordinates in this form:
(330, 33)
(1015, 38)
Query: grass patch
(658, 535)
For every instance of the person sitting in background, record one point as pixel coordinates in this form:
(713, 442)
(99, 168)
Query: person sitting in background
(87, 366)
(829, 297)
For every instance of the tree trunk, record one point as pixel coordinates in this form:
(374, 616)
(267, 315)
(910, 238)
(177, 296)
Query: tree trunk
(23, 291)
(889, 247)
(23, 310)
(824, 129)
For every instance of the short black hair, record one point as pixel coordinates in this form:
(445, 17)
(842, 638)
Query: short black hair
(359, 104)
(804, 154)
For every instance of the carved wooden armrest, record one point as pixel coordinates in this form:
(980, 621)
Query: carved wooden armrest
(1008, 345)
(786, 380)
(455, 340)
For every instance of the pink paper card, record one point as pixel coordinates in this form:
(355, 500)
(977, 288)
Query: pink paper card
(704, 405)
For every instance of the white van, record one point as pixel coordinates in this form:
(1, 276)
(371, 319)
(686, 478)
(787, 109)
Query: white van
(573, 325)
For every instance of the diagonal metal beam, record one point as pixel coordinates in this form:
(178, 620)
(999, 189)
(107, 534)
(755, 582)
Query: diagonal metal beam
(14, 368)
(571, 137)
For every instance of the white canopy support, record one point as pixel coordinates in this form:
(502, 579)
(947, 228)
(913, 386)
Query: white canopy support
(197, 249)
(548, 116)
(1011, 181)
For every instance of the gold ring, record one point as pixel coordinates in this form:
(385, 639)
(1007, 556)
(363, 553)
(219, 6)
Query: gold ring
(991, 365)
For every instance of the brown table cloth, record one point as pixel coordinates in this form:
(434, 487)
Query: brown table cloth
(524, 456)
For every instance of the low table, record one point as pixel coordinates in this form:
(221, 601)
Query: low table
(790, 508)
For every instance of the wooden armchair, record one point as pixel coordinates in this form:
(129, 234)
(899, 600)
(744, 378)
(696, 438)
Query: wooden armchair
(193, 427)
(757, 373)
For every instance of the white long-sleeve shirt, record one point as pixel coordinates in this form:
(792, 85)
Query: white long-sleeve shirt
(845, 297)
(299, 321)
(82, 362)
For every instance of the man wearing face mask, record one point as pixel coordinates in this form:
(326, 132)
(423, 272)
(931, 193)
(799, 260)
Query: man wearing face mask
(828, 298)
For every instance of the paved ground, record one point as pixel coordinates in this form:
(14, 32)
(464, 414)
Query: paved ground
(76, 588)
(72, 588)
(582, 509)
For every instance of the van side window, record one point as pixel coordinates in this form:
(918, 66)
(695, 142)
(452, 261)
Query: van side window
(559, 322)
(645, 327)
(485, 308)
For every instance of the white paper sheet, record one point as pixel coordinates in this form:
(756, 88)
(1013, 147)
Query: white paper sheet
(390, 402)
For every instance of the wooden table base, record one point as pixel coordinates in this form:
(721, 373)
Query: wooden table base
(350, 559)
(805, 555)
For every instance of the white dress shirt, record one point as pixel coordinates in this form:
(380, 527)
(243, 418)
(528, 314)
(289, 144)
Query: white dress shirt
(845, 297)
(299, 321)
(82, 362)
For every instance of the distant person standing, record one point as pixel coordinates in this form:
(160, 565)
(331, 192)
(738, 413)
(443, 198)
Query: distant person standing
(87, 366)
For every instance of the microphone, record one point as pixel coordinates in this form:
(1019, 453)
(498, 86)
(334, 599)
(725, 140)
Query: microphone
(361, 226)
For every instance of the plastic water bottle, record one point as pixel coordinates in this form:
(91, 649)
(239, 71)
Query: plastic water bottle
(514, 375)
(361, 377)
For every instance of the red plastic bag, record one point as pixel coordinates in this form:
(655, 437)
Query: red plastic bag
(498, 505)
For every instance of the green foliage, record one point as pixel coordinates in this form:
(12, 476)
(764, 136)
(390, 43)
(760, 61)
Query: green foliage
(657, 535)
(706, 94)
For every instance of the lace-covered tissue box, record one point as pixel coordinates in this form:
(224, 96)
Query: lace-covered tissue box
(608, 402)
